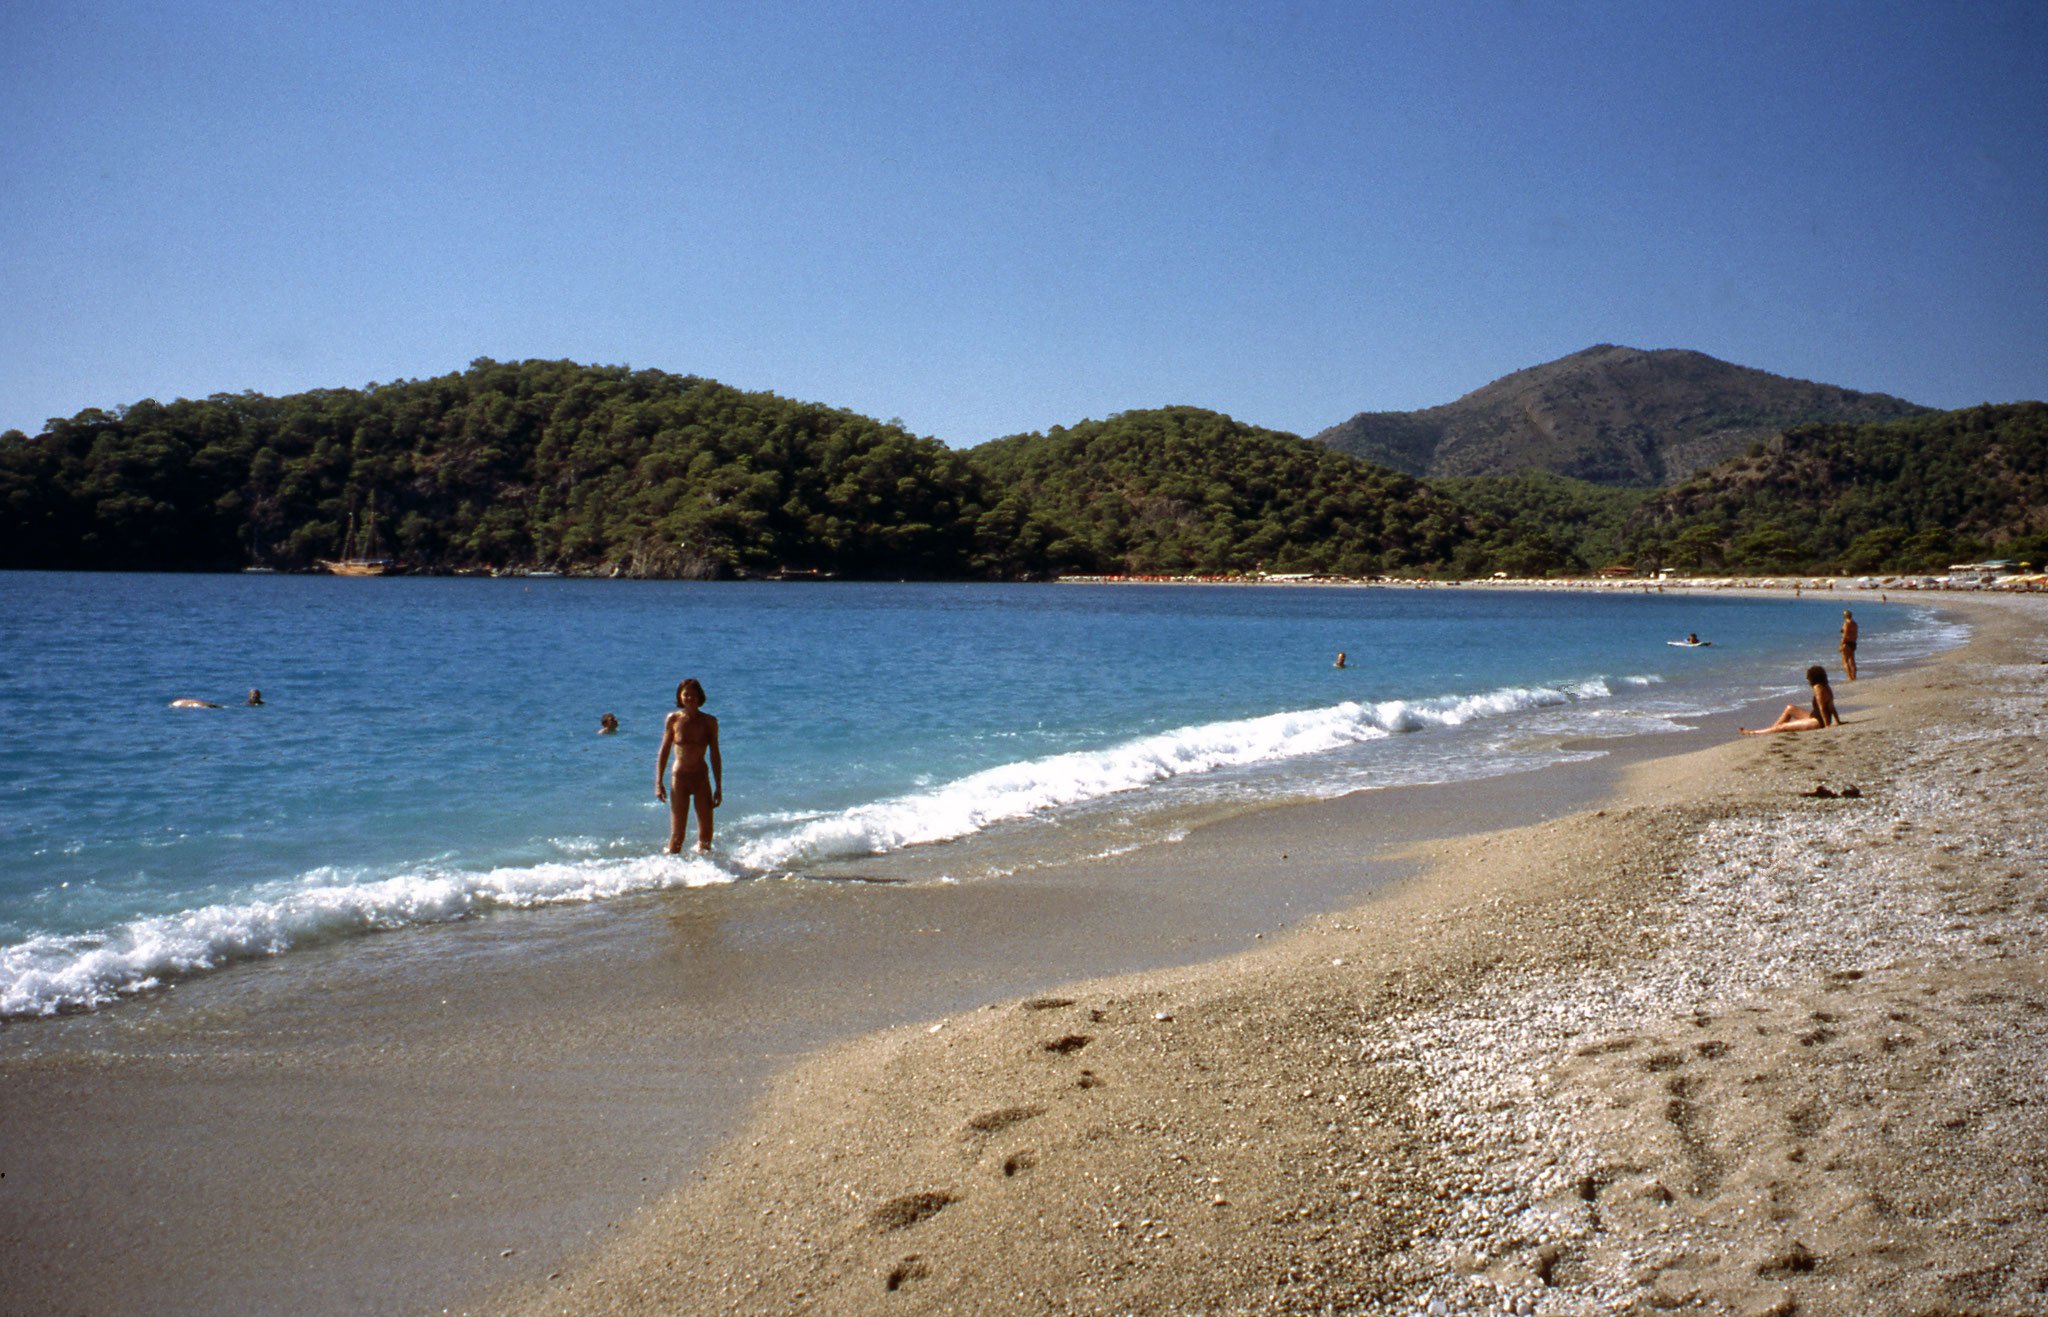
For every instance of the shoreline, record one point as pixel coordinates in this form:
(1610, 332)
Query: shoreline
(309, 1102)
(1716, 1043)
(349, 1189)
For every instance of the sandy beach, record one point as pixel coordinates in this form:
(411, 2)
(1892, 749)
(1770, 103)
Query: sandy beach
(1764, 1032)
(1661, 1030)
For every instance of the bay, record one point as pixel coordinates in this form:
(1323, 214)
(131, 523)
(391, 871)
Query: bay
(427, 750)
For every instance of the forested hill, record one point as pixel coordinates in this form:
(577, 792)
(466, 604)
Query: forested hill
(612, 471)
(1180, 489)
(1609, 415)
(534, 464)
(548, 464)
(1910, 495)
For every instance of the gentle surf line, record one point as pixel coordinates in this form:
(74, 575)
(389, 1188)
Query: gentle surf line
(1020, 790)
(49, 973)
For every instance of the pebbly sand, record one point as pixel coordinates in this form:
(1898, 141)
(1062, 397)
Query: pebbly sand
(1721, 1045)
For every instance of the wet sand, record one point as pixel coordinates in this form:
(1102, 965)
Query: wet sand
(1724, 1043)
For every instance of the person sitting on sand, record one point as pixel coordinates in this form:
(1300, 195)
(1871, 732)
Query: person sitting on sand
(1849, 644)
(693, 734)
(1796, 719)
(193, 704)
(608, 724)
(255, 697)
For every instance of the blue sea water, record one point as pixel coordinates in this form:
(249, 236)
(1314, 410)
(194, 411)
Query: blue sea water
(428, 748)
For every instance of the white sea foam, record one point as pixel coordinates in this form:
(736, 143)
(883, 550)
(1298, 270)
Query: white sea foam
(1012, 791)
(50, 973)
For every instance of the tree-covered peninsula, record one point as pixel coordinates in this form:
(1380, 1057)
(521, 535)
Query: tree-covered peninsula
(535, 464)
(602, 469)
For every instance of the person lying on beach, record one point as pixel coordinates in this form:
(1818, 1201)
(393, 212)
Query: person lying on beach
(1796, 719)
(693, 734)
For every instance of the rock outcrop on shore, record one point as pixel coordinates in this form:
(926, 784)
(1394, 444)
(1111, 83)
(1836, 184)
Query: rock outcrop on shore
(1724, 1045)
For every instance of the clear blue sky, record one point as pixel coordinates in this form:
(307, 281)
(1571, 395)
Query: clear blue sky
(985, 219)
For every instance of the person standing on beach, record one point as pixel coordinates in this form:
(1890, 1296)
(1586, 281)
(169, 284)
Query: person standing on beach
(693, 735)
(1849, 644)
(1796, 719)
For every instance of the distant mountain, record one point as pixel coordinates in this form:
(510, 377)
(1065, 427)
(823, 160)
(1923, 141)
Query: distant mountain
(1609, 415)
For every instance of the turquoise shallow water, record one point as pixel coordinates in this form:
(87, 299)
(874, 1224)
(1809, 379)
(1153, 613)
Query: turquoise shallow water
(428, 747)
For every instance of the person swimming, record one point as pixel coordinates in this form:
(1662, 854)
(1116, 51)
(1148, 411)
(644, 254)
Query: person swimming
(1796, 719)
(608, 724)
(693, 735)
(1340, 660)
(255, 697)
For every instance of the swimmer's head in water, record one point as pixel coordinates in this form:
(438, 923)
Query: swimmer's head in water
(610, 722)
(690, 686)
(1816, 676)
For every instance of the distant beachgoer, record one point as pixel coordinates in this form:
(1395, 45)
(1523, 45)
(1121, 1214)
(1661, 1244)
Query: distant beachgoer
(1796, 719)
(193, 704)
(1692, 637)
(255, 697)
(1849, 644)
(1340, 660)
(693, 735)
(608, 724)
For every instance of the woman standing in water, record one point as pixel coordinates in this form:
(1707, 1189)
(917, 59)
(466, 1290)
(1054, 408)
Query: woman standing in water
(693, 735)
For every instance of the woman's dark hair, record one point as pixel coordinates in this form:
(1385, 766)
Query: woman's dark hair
(692, 685)
(1816, 675)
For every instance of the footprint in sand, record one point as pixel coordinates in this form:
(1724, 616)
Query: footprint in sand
(911, 1268)
(988, 1122)
(906, 1210)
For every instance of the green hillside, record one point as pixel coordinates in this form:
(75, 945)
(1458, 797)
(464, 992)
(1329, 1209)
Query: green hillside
(536, 464)
(1180, 489)
(1910, 495)
(612, 471)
